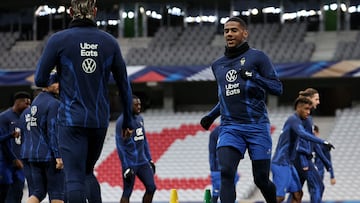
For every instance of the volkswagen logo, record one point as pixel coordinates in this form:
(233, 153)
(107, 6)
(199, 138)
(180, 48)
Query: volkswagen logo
(89, 65)
(33, 110)
(231, 75)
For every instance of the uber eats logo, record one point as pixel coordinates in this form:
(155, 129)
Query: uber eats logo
(88, 50)
(231, 88)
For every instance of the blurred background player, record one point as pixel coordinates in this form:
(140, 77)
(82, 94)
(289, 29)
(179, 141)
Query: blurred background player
(303, 162)
(11, 168)
(44, 157)
(214, 166)
(134, 153)
(84, 57)
(26, 141)
(285, 176)
(319, 163)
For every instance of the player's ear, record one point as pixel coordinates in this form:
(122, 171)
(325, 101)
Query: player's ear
(246, 34)
(71, 12)
(95, 11)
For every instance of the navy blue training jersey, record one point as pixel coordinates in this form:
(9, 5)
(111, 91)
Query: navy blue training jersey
(243, 101)
(320, 162)
(135, 150)
(84, 56)
(292, 131)
(303, 146)
(43, 128)
(24, 124)
(306, 148)
(9, 150)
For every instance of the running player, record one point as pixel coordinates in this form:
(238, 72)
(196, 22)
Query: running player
(244, 76)
(285, 175)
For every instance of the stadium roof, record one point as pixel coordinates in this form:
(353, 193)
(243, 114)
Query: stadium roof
(16, 4)
(289, 5)
(211, 4)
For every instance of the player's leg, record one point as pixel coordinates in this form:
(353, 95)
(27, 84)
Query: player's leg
(96, 139)
(146, 176)
(3, 192)
(301, 173)
(55, 183)
(281, 179)
(315, 184)
(229, 159)
(73, 145)
(295, 187)
(39, 178)
(128, 187)
(5, 180)
(15, 192)
(261, 171)
(28, 176)
(260, 144)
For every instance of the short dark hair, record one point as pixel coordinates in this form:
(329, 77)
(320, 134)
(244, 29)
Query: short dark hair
(239, 20)
(22, 95)
(135, 97)
(302, 100)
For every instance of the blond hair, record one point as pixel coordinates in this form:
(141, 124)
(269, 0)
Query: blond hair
(309, 92)
(83, 8)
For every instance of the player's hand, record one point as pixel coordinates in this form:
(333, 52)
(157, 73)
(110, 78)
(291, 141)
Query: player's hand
(128, 174)
(305, 168)
(18, 164)
(59, 163)
(127, 133)
(153, 167)
(206, 122)
(329, 145)
(246, 74)
(16, 133)
(332, 181)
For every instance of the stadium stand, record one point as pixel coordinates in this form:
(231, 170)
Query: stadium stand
(349, 49)
(200, 45)
(177, 46)
(344, 135)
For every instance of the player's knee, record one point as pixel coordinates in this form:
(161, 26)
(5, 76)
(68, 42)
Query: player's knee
(261, 180)
(297, 196)
(228, 173)
(56, 196)
(40, 195)
(124, 199)
(150, 189)
(280, 199)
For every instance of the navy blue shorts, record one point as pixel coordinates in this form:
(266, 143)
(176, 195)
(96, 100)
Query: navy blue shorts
(80, 148)
(145, 174)
(254, 137)
(286, 179)
(47, 179)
